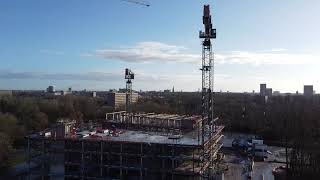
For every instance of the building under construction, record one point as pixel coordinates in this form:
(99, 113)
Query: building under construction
(130, 145)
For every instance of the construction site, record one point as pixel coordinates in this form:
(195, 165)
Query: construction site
(135, 145)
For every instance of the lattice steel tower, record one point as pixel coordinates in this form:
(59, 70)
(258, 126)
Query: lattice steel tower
(129, 76)
(207, 74)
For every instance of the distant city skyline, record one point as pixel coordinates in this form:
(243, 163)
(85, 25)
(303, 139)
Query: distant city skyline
(88, 44)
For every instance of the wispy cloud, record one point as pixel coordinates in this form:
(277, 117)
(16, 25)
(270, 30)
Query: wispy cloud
(90, 76)
(266, 58)
(160, 52)
(278, 49)
(52, 52)
(190, 81)
(147, 52)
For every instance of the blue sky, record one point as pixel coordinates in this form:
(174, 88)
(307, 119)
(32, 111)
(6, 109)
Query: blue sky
(87, 44)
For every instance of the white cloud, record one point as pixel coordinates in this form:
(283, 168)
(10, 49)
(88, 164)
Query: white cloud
(278, 49)
(160, 52)
(266, 58)
(90, 76)
(181, 81)
(148, 52)
(95, 76)
(146, 81)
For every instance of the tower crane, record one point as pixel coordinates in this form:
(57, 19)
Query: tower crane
(129, 76)
(207, 71)
(208, 123)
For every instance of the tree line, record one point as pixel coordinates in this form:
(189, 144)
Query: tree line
(292, 121)
(247, 113)
(20, 116)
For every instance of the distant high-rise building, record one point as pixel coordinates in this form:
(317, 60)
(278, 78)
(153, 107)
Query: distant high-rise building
(173, 89)
(5, 93)
(116, 99)
(263, 89)
(277, 93)
(66, 92)
(308, 90)
(122, 90)
(51, 89)
(268, 91)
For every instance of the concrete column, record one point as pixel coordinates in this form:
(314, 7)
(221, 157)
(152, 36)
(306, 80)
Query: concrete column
(101, 158)
(141, 161)
(29, 159)
(82, 159)
(121, 161)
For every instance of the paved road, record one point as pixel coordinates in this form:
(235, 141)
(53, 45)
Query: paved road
(264, 169)
(236, 169)
(236, 162)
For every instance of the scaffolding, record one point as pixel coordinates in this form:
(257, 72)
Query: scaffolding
(170, 123)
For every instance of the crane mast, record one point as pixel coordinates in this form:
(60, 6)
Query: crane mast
(207, 123)
(207, 73)
(129, 76)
